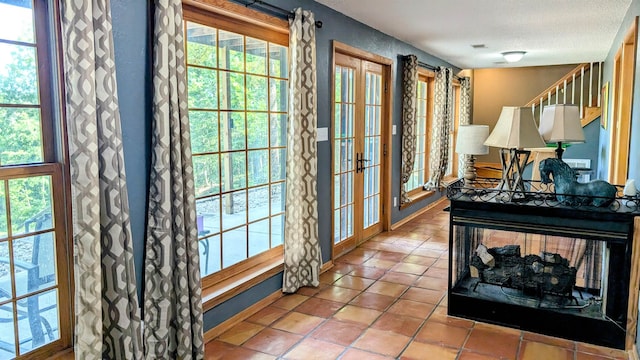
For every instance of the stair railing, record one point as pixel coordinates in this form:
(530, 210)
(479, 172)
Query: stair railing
(558, 92)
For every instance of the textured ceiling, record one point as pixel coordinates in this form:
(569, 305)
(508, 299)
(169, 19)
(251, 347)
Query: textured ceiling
(550, 31)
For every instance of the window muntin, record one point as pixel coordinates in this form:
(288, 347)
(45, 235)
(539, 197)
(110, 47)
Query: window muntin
(237, 87)
(424, 118)
(424, 113)
(452, 164)
(34, 295)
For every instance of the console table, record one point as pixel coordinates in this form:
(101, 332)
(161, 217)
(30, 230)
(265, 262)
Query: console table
(540, 266)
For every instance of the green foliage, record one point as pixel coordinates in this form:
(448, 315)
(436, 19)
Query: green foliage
(278, 61)
(20, 139)
(203, 88)
(278, 128)
(256, 59)
(238, 104)
(204, 131)
(18, 75)
(204, 54)
(207, 174)
(257, 130)
(3, 212)
(21, 136)
(258, 162)
(256, 93)
(28, 197)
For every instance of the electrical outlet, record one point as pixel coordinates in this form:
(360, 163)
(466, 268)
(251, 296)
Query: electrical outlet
(395, 201)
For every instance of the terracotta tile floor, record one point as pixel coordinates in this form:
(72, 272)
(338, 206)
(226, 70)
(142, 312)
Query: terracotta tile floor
(387, 300)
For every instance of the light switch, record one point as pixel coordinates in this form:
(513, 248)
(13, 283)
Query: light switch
(323, 134)
(393, 130)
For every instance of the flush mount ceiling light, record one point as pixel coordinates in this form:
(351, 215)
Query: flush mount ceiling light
(513, 56)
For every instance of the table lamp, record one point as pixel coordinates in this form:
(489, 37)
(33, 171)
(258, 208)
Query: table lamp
(561, 123)
(514, 131)
(470, 142)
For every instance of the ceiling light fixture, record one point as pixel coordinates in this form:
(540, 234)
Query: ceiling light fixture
(513, 56)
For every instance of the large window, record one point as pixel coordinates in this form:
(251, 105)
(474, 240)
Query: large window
(237, 86)
(34, 279)
(424, 114)
(424, 118)
(452, 165)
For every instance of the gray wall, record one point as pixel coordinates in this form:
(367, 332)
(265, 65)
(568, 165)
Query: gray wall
(586, 150)
(495, 88)
(346, 30)
(133, 53)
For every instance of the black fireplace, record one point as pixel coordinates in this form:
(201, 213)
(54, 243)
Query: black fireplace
(537, 265)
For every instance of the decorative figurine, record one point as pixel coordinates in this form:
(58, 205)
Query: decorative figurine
(630, 188)
(571, 192)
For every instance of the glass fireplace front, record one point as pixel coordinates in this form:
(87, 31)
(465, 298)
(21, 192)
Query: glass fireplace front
(554, 272)
(557, 273)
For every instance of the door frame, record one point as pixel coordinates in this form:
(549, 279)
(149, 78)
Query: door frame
(624, 65)
(386, 125)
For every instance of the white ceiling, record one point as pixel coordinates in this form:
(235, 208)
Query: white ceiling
(550, 31)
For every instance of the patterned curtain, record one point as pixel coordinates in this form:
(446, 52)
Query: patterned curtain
(302, 259)
(172, 290)
(409, 94)
(442, 125)
(465, 117)
(106, 306)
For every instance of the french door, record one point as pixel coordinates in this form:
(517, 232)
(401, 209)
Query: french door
(358, 148)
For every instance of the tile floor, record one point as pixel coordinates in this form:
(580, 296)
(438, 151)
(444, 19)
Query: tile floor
(386, 300)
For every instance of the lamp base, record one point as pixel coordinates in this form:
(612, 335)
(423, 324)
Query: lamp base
(559, 150)
(470, 174)
(513, 162)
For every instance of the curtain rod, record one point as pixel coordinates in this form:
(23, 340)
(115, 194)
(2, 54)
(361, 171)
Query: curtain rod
(434, 68)
(274, 9)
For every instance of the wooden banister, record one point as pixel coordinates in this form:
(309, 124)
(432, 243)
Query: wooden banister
(560, 83)
(588, 112)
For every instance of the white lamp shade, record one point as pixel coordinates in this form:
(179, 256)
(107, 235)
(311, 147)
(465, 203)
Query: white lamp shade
(561, 123)
(515, 129)
(471, 139)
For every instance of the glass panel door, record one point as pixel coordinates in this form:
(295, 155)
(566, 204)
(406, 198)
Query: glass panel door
(357, 149)
(371, 159)
(344, 163)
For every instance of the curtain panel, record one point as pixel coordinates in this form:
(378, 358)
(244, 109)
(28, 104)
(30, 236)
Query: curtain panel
(107, 316)
(172, 290)
(302, 258)
(409, 102)
(443, 115)
(465, 117)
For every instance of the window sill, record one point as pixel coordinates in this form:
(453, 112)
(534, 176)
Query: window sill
(413, 198)
(216, 294)
(67, 354)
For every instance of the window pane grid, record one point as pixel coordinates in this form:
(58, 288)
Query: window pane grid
(344, 155)
(241, 215)
(21, 139)
(419, 174)
(28, 253)
(372, 140)
(33, 267)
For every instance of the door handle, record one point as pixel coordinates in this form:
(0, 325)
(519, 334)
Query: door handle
(360, 162)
